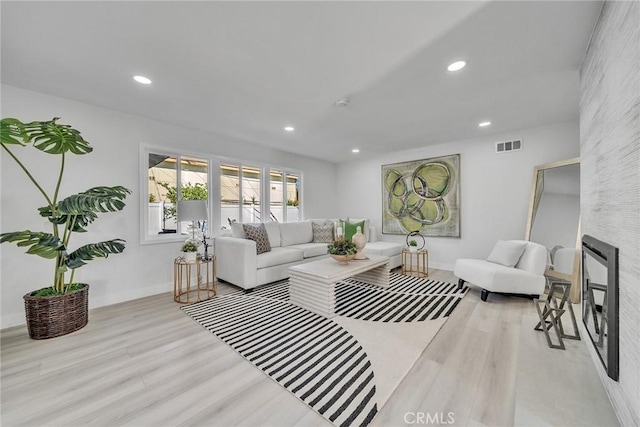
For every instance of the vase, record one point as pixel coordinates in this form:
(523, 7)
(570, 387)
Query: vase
(56, 315)
(342, 259)
(190, 256)
(360, 241)
(413, 249)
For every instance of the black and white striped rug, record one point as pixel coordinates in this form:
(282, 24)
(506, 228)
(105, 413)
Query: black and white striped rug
(315, 358)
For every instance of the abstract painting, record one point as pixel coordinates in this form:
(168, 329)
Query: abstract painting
(422, 195)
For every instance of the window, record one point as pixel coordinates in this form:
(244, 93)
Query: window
(171, 178)
(284, 196)
(276, 194)
(241, 192)
(162, 174)
(229, 195)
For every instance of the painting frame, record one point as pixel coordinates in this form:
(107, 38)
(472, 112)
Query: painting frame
(422, 195)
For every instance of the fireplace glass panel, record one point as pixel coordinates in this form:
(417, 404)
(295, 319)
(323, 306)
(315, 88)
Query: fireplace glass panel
(600, 300)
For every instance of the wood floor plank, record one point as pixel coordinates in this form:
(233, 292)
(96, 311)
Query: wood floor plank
(494, 404)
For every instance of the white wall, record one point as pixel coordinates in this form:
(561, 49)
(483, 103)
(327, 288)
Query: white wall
(116, 138)
(495, 188)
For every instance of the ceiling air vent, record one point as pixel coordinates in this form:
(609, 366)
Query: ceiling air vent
(506, 146)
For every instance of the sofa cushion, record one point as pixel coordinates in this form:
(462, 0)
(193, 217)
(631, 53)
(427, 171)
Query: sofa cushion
(383, 248)
(273, 231)
(322, 233)
(309, 250)
(365, 227)
(293, 233)
(349, 228)
(278, 256)
(507, 253)
(257, 233)
(237, 230)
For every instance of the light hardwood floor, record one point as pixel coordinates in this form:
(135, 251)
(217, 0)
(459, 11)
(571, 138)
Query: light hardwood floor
(145, 363)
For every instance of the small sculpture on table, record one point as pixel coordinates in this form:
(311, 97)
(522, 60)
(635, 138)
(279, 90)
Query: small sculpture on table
(360, 241)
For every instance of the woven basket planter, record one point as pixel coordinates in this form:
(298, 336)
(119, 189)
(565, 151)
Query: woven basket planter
(57, 315)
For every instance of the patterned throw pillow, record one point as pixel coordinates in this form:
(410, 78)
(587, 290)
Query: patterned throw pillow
(322, 233)
(258, 233)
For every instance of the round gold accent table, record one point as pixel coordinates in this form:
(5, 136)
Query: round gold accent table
(194, 281)
(415, 264)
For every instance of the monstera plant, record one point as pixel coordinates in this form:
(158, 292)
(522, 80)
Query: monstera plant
(67, 216)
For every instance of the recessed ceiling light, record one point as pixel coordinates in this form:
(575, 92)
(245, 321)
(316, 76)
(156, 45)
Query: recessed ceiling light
(342, 102)
(142, 79)
(355, 150)
(483, 124)
(458, 65)
(289, 128)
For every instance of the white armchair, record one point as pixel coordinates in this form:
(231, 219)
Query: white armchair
(514, 267)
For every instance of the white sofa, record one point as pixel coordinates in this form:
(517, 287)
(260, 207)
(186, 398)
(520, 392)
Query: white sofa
(291, 244)
(525, 278)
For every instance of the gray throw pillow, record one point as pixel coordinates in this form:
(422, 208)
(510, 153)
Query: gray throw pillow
(322, 233)
(258, 233)
(507, 252)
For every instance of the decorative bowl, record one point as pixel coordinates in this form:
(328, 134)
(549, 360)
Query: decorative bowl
(343, 259)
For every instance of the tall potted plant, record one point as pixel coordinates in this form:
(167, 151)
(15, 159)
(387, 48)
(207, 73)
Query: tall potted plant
(62, 307)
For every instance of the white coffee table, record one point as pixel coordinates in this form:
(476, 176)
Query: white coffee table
(312, 285)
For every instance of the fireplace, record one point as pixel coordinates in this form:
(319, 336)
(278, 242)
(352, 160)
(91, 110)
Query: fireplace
(600, 300)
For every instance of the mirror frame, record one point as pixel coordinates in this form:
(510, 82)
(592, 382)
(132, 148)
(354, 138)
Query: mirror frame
(574, 277)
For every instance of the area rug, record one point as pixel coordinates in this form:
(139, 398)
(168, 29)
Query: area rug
(344, 368)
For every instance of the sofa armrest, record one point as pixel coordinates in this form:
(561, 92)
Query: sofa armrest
(236, 261)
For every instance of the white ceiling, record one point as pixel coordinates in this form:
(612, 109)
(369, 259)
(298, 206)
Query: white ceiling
(247, 69)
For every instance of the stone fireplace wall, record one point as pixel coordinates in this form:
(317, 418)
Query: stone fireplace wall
(610, 177)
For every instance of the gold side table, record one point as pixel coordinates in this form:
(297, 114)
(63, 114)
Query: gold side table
(194, 281)
(415, 264)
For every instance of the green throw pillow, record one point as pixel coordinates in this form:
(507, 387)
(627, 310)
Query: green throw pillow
(350, 228)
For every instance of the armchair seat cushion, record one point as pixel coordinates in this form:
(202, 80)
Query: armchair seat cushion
(278, 256)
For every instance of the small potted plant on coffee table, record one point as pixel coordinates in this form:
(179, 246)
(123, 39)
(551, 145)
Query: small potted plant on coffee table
(342, 250)
(413, 246)
(190, 251)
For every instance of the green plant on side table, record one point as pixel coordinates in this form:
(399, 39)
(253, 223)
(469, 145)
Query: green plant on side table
(342, 250)
(190, 249)
(62, 307)
(413, 246)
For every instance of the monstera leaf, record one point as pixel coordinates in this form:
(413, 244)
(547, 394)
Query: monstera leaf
(78, 211)
(42, 244)
(80, 256)
(49, 136)
(94, 200)
(12, 132)
(74, 223)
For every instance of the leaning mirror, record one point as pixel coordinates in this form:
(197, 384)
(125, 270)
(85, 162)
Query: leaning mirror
(554, 219)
